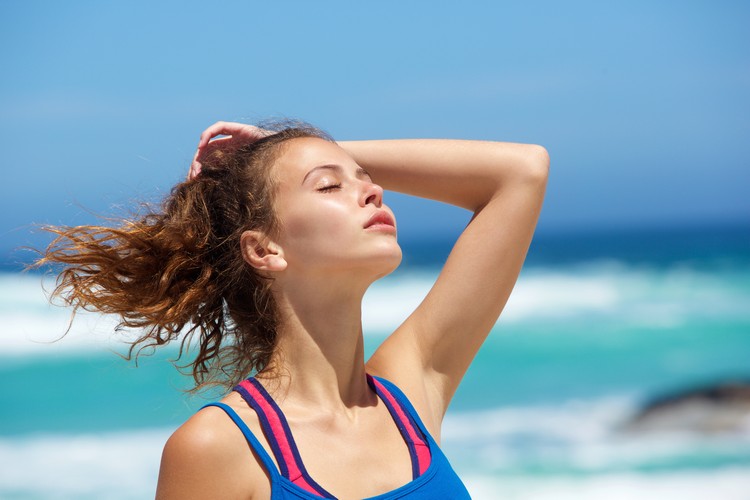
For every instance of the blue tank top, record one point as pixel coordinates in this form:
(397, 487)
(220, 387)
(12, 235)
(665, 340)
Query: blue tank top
(432, 475)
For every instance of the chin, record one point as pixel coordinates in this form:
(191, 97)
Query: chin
(389, 262)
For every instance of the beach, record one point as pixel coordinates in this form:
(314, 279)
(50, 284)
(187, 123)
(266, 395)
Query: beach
(599, 324)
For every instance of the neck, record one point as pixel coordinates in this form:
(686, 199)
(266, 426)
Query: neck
(319, 358)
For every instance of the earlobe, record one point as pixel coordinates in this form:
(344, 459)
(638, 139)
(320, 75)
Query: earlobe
(262, 253)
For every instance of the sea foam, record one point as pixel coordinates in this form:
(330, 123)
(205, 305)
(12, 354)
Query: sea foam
(121, 465)
(726, 484)
(527, 452)
(580, 437)
(608, 292)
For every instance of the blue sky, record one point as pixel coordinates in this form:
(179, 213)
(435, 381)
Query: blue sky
(644, 106)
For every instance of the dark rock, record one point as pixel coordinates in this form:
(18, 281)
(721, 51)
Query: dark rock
(719, 408)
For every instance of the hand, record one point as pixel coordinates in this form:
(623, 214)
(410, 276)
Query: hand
(237, 135)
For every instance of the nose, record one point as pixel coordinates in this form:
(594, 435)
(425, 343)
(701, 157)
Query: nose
(372, 194)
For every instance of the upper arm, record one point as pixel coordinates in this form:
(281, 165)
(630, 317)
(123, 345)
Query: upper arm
(431, 351)
(205, 459)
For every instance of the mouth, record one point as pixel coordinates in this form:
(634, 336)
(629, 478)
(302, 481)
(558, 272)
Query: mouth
(381, 220)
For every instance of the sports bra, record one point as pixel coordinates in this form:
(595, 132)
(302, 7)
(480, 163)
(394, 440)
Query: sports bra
(432, 475)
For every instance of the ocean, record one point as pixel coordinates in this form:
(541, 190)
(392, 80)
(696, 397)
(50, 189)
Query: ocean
(600, 324)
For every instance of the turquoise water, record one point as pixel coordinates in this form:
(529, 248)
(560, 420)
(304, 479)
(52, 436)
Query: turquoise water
(598, 325)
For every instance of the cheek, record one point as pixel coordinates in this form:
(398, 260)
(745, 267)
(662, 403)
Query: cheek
(308, 228)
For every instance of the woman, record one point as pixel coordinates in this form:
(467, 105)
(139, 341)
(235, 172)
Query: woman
(266, 252)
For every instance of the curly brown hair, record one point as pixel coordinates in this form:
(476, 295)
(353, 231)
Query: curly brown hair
(180, 269)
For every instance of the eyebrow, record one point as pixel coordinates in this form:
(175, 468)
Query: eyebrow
(360, 172)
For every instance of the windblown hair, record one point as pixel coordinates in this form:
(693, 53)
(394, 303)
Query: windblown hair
(180, 270)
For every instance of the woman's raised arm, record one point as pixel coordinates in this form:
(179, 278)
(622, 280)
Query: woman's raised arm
(503, 184)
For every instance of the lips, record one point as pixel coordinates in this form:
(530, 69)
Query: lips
(379, 219)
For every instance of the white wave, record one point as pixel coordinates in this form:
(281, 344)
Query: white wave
(573, 421)
(29, 324)
(635, 295)
(581, 437)
(43, 334)
(560, 295)
(726, 484)
(550, 295)
(124, 465)
(605, 292)
(390, 301)
(114, 466)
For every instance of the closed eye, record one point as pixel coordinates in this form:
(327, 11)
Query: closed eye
(332, 187)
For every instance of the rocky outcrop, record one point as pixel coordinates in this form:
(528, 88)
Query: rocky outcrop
(719, 408)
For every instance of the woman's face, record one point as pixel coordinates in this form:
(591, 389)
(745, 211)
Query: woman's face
(331, 213)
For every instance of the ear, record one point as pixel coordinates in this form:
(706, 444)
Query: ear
(260, 252)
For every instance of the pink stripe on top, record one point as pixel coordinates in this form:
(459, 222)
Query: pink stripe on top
(423, 451)
(295, 474)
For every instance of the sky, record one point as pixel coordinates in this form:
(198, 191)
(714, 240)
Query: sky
(643, 106)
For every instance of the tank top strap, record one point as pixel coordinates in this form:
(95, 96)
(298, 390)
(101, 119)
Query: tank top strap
(250, 437)
(407, 421)
(279, 436)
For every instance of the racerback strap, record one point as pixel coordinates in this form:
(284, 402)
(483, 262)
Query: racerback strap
(279, 435)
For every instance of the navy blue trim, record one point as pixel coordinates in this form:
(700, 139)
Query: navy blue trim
(412, 421)
(401, 397)
(292, 444)
(272, 439)
(400, 424)
(419, 433)
(267, 431)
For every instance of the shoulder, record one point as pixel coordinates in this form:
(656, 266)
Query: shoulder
(208, 456)
(207, 435)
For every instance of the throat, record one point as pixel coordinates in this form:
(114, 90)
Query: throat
(319, 359)
(378, 446)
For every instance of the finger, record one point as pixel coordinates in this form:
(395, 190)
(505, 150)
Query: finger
(209, 133)
(194, 165)
(195, 169)
(225, 128)
(204, 150)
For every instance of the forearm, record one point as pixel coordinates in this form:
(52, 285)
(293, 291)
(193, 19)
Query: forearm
(464, 173)
(504, 185)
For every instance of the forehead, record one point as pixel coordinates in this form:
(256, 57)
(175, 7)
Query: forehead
(301, 155)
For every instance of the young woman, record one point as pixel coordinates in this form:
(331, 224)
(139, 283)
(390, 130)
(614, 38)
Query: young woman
(265, 253)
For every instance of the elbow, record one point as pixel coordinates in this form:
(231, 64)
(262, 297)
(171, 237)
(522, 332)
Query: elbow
(537, 164)
(517, 167)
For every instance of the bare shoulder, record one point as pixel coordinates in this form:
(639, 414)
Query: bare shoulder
(208, 457)
(207, 436)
